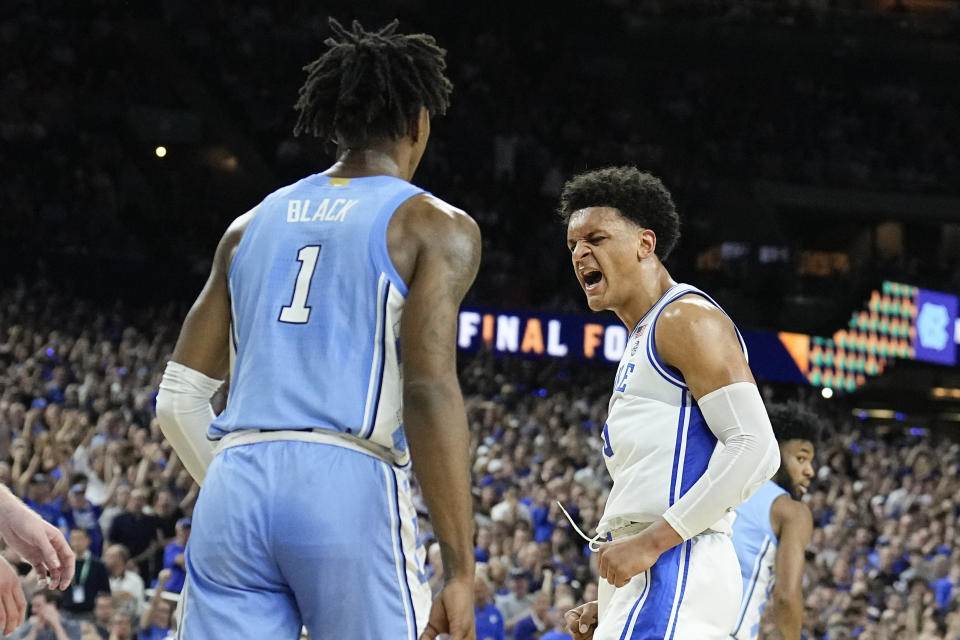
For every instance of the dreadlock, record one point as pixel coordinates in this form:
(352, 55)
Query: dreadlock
(371, 85)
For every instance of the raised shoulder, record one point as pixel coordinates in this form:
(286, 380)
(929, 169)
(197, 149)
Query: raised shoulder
(694, 317)
(793, 515)
(426, 226)
(697, 339)
(431, 215)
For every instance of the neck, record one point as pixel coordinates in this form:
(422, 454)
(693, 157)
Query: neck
(645, 293)
(362, 161)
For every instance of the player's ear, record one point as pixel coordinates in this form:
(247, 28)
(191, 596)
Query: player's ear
(646, 243)
(420, 125)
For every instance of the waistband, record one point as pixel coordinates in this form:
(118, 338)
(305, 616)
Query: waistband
(627, 530)
(633, 528)
(243, 437)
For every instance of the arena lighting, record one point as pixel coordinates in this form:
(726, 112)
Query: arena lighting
(942, 393)
(878, 414)
(161, 151)
(952, 417)
(826, 392)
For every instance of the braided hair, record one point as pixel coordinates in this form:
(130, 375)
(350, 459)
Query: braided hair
(370, 85)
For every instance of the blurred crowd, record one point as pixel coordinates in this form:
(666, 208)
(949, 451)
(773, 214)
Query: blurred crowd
(79, 443)
(89, 89)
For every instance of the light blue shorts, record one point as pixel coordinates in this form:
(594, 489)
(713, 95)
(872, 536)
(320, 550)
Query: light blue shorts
(289, 533)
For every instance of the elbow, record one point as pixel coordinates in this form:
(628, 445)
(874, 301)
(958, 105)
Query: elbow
(165, 403)
(771, 460)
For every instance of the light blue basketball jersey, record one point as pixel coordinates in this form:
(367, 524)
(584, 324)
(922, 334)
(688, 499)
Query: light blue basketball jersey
(756, 545)
(316, 305)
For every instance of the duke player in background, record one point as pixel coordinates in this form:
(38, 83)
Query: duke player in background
(687, 437)
(773, 528)
(333, 306)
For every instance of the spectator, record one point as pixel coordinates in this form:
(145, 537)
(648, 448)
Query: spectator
(488, 619)
(126, 586)
(78, 512)
(45, 622)
(121, 627)
(156, 620)
(103, 612)
(534, 624)
(174, 556)
(137, 531)
(90, 580)
(39, 497)
(517, 602)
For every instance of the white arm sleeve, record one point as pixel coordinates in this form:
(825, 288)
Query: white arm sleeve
(750, 456)
(184, 414)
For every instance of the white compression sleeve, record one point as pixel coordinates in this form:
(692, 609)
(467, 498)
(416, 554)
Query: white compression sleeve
(749, 457)
(184, 413)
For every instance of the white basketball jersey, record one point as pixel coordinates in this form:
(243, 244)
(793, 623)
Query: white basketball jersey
(656, 442)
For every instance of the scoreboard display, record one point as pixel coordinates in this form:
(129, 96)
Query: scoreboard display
(898, 321)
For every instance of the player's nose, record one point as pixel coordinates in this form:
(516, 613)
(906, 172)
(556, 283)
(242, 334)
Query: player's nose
(579, 251)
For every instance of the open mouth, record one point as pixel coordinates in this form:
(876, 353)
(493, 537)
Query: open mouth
(591, 279)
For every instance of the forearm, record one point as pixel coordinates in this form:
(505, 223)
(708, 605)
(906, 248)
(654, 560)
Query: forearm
(750, 456)
(59, 632)
(436, 429)
(788, 613)
(184, 414)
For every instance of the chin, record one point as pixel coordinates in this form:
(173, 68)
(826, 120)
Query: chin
(595, 304)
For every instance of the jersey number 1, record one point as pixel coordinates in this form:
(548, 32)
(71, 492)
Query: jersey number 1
(297, 312)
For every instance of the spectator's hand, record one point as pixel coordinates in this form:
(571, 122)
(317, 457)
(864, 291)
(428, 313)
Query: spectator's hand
(38, 542)
(163, 579)
(582, 621)
(452, 612)
(12, 601)
(51, 614)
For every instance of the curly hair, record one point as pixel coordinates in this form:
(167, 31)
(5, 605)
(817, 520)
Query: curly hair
(794, 421)
(370, 85)
(638, 196)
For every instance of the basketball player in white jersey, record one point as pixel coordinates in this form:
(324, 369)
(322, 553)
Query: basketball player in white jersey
(333, 307)
(687, 437)
(773, 529)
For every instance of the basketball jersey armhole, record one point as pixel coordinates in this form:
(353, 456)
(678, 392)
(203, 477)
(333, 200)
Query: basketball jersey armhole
(659, 366)
(378, 237)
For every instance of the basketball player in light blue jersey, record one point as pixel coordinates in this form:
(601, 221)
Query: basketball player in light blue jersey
(333, 308)
(687, 437)
(773, 528)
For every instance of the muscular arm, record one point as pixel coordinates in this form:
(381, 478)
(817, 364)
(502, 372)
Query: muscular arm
(201, 360)
(793, 524)
(699, 340)
(204, 344)
(433, 411)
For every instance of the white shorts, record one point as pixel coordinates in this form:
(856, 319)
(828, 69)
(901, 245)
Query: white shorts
(691, 593)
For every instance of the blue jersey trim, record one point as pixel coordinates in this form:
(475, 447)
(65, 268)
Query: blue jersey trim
(405, 585)
(699, 447)
(381, 365)
(748, 592)
(653, 619)
(638, 603)
(687, 548)
(681, 432)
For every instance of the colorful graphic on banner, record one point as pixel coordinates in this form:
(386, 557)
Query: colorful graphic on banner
(936, 317)
(898, 321)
